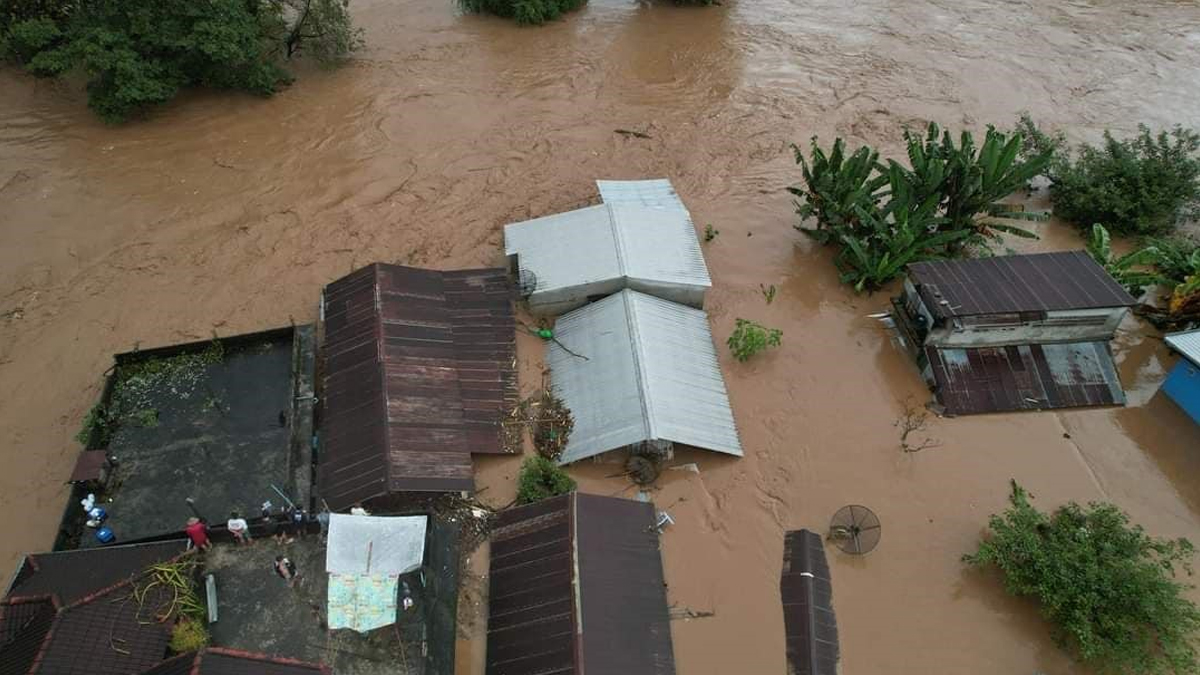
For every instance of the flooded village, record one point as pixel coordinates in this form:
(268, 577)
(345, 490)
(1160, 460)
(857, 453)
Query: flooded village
(348, 295)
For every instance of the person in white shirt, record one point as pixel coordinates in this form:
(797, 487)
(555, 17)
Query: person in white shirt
(358, 510)
(238, 528)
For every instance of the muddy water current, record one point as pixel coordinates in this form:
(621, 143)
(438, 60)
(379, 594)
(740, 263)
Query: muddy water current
(227, 213)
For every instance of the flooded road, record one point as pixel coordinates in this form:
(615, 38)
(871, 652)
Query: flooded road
(227, 213)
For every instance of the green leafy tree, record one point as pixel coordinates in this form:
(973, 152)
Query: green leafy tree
(527, 12)
(836, 188)
(541, 478)
(1144, 185)
(750, 337)
(1108, 587)
(140, 54)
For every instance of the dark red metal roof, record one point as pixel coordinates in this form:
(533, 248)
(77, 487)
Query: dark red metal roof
(219, 661)
(611, 618)
(810, 627)
(1025, 377)
(88, 466)
(1016, 283)
(72, 575)
(72, 613)
(418, 372)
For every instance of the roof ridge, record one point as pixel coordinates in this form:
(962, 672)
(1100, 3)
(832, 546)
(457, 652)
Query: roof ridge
(629, 298)
(258, 656)
(377, 296)
(618, 241)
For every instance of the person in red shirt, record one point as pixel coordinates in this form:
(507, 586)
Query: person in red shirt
(198, 533)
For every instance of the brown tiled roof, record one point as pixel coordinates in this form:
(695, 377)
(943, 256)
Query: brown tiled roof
(810, 628)
(74, 613)
(601, 552)
(1016, 283)
(71, 575)
(218, 661)
(418, 371)
(1025, 377)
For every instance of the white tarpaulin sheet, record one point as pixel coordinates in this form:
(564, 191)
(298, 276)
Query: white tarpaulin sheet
(375, 545)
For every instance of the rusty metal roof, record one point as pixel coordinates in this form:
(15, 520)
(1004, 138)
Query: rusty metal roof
(418, 371)
(1016, 283)
(810, 627)
(1025, 377)
(571, 578)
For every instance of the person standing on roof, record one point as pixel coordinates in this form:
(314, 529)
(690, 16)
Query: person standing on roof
(197, 531)
(239, 528)
(358, 510)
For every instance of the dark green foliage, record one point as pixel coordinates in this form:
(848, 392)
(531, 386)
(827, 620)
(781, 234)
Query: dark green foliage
(541, 478)
(749, 338)
(1176, 258)
(886, 216)
(139, 54)
(529, 12)
(1108, 587)
(97, 428)
(1142, 185)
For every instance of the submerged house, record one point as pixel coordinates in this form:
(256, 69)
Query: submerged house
(576, 586)
(417, 371)
(806, 591)
(639, 372)
(1019, 332)
(641, 237)
(1183, 383)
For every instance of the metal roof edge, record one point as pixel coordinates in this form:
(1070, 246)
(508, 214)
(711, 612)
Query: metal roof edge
(629, 298)
(1188, 347)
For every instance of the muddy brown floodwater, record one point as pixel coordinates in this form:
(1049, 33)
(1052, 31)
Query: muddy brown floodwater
(227, 213)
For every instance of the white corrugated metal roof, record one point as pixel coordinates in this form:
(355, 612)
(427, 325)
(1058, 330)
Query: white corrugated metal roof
(1187, 344)
(651, 374)
(642, 232)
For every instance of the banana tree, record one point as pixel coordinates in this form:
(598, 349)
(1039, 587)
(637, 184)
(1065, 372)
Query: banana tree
(835, 186)
(1133, 270)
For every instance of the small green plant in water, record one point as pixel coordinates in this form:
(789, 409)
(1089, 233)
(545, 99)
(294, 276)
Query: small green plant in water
(97, 426)
(768, 292)
(1108, 587)
(710, 233)
(749, 338)
(541, 478)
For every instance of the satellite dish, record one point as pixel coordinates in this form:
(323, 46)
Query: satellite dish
(526, 283)
(855, 529)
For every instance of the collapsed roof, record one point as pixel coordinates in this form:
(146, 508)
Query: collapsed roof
(418, 371)
(576, 586)
(641, 237)
(643, 370)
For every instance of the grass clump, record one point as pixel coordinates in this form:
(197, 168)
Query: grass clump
(1143, 185)
(750, 337)
(1109, 588)
(188, 635)
(541, 479)
(527, 12)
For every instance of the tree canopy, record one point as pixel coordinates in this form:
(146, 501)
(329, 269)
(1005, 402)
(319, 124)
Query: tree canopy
(139, 54)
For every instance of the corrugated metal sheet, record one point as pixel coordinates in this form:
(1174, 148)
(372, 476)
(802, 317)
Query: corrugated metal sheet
(417, 372)
(1187, 344)
(651, 374)
(1016, 283)
(72, 575)
(1025, 377)
(24, 626)
(611, 618)
(622, 594)
(641, 237)
(809, 624)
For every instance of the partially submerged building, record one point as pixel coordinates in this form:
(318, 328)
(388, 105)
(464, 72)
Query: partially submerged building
(417, 371)
(1019, 332)
(640, 237)
(576, 586)
(1183, 383)
(639, 372)
(806, 591)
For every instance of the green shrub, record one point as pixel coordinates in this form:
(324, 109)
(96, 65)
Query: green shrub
(1142, 185)
(749, 338)
(529, 12)
(97, 427)
(541, 478)
(1108, 587)
(139, 54)
(188, 635)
